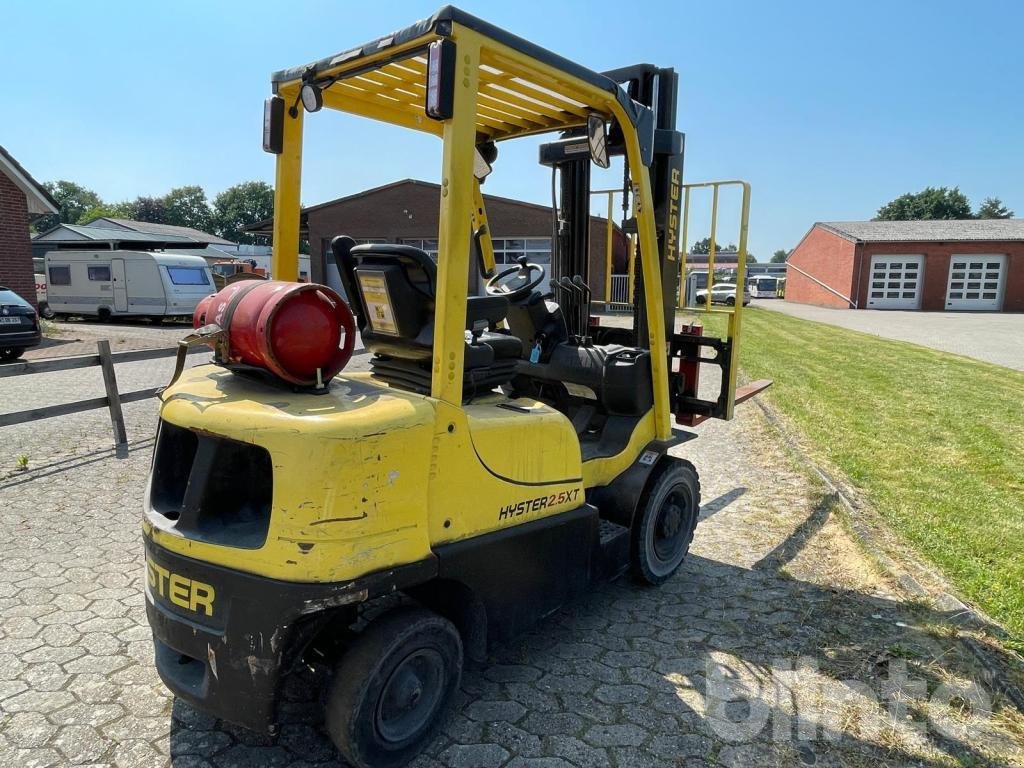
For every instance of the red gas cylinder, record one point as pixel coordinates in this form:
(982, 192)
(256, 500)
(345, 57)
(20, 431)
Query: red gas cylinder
(292, 330)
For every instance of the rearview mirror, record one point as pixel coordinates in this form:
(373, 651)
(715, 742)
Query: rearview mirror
(481, 168)
(596, 137)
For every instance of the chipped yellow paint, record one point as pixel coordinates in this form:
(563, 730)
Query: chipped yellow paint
(368, 477)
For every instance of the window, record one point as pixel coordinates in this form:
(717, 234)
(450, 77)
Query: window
(188, 275)
(60, 275)
(508, 250)
(100, 273)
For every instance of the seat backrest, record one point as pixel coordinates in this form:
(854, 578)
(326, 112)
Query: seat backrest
(391, 288)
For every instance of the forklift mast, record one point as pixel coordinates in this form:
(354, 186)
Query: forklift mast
(657, 89)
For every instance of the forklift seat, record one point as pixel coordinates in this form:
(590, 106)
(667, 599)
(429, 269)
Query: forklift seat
(392, 289)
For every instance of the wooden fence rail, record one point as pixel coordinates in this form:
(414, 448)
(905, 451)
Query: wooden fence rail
(112, 400)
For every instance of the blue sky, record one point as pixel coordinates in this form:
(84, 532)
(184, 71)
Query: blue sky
(829, 109)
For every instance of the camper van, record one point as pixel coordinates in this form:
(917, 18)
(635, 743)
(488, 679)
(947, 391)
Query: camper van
(117, 283)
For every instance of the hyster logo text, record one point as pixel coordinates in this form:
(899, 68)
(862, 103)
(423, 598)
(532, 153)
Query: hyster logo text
(186, 593)
(539, 503)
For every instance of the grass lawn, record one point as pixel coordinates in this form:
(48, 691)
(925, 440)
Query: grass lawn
(934, 441)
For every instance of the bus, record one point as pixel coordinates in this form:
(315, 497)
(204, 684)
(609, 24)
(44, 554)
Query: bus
(762, 286)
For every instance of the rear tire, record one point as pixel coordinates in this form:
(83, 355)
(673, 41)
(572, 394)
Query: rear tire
(731, 301)
(393, 688)
(11, 353)
(666, 520)
(46, 312)
(103, 313)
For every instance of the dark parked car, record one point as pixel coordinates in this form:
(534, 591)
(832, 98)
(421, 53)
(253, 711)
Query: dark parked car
(19, 325)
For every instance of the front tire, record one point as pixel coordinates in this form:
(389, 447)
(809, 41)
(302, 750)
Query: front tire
(666, 521)
(11, 353)
(393, 687)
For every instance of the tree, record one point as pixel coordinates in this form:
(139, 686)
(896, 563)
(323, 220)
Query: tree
(993, 208)
(240, 205)
(780, 256)
(929, 203)
(107, 211)
(704, 246)
(151, 209)
(74, 201)
(187, 207)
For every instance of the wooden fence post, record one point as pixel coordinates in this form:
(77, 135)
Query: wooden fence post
(113, 398)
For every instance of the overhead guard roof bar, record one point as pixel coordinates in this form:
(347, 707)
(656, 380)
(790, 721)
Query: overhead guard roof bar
(385, 79)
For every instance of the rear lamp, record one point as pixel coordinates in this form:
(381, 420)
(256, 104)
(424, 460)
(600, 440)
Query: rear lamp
(440, 80)
(273, 125)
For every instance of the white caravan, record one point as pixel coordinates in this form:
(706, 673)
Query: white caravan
(119, 283)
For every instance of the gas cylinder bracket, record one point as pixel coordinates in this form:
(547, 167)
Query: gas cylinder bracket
(212, 335)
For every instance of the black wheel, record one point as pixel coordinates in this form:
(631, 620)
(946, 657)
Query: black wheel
(103, 313)
(393, 687)
(730, 300)
(11, 353)
(665, 522)
(156, 319)
(46, 312)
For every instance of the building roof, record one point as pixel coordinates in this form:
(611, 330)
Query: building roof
(75, 235)
(40, 201)
(935, 230)
(163, 230)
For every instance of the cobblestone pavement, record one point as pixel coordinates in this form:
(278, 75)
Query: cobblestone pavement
(737, 661)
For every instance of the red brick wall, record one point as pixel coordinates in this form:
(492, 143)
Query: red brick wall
(830, 259)
(936, 269)
(411, 211)
(15, 249)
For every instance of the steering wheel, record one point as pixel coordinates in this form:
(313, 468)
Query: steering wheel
(516, 283)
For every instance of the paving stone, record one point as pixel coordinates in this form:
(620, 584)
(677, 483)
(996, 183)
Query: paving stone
(576, 751)
(474, 756)
(492, 711)
(515, 740)
(79, 743)
(615, 735)
(28, 730)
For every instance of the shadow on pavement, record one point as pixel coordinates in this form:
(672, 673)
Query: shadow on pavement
(15, 479)
(721, 665)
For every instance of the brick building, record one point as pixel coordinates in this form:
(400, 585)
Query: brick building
(975, 264)
(22, 199)
(407, 212)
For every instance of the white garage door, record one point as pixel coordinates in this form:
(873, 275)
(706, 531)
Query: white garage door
(895, 282)
(976, 281)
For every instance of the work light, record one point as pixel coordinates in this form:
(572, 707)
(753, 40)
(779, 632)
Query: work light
(312, 97)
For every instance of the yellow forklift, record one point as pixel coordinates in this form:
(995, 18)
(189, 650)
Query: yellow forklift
(504, 454)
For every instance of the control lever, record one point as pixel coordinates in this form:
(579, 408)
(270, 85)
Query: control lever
(558, 293)
(577, 301)
(584, 308)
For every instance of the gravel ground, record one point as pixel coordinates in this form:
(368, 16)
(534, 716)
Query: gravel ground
(773, 645)
(994, 337)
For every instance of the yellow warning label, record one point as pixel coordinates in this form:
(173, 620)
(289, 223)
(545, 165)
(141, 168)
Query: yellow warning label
(378, 303)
